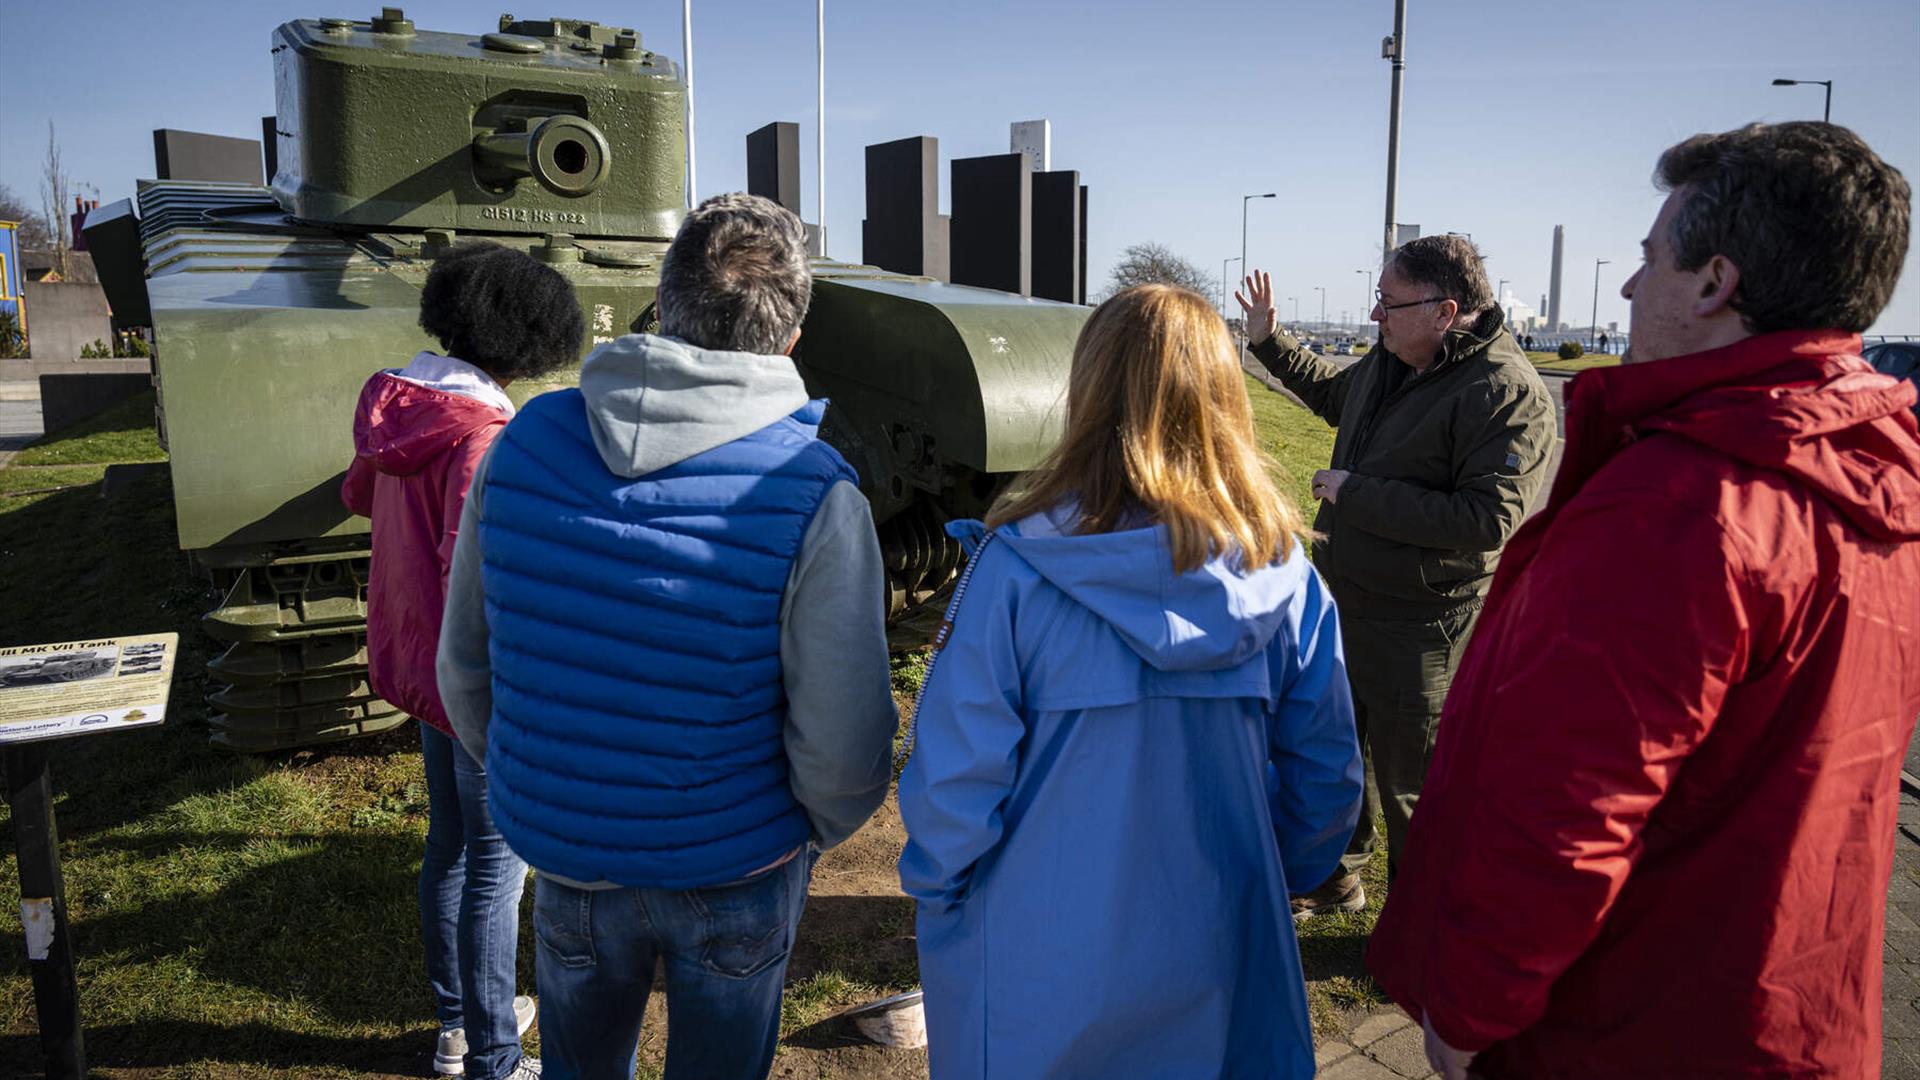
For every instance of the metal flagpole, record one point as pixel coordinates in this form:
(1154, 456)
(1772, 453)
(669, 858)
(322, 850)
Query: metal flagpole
(686, 52)
(820, 124)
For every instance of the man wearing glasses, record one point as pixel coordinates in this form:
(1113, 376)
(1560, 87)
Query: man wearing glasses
(1445, 430)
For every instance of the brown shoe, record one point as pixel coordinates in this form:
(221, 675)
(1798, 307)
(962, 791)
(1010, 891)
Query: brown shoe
(1340, 893)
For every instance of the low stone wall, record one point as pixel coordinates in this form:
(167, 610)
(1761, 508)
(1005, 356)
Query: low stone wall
(68, 398)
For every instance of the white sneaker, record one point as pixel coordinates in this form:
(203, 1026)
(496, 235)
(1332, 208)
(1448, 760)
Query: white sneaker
(450, 1054)
(524, 1010)
(528, 1069)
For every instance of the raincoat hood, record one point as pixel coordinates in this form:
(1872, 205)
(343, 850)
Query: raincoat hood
(1801, 403)
(1208, 619)
(408, 416)
(656, 401)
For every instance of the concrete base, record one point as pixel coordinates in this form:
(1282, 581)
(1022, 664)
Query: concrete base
(69, 398)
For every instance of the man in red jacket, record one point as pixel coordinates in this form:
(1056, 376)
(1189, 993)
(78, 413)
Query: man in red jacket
(1658, 825)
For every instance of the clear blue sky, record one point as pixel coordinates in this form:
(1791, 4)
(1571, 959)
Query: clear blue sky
(1518, 115)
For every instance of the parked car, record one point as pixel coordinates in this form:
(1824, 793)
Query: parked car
(1900, 359)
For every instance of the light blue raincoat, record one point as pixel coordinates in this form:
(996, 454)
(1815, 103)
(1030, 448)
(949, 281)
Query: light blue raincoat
(1118, 774)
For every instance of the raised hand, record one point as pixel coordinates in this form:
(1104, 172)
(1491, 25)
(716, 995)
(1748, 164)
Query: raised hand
(1257, 303)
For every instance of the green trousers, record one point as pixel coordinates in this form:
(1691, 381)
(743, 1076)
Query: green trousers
(1400, 672)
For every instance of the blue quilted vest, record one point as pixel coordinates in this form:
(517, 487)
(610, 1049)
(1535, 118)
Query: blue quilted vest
(638, 708)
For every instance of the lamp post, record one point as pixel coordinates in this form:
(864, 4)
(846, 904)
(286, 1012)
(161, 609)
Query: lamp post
(1367, 299)
(1295, 301)
(1322, 290)
(1593, 320)
(1826, 114)
(1223, 281)
(1394, 49)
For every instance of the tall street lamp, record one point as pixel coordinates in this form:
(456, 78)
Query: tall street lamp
(1826, 113)
(1593, 320)
(1295, 301)
(1367, 299)
(1395, 49)
(1223, 281)
(1322, 290)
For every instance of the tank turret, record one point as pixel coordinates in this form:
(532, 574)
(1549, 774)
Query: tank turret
(545, 126)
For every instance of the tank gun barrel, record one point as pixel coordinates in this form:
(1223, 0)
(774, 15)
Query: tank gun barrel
(568, 155)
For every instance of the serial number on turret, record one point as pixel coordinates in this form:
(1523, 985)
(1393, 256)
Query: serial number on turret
(531, 217)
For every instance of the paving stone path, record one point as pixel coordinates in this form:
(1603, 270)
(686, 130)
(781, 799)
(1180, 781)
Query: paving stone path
(1383, 1045)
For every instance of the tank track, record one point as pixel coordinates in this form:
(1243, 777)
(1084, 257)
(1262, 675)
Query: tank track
(294, 672)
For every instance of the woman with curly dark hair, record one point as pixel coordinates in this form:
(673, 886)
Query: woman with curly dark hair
(419, 433)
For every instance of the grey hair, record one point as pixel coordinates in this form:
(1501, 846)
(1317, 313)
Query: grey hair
(736, 276)
(1451, 266)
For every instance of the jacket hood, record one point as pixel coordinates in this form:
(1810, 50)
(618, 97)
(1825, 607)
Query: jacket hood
(1801, 403)
(1462, 341)
(655, 401)
(408, 416)
(1207, 619)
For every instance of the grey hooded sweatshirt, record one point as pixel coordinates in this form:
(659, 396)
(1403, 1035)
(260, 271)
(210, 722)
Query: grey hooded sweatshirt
(655, 401)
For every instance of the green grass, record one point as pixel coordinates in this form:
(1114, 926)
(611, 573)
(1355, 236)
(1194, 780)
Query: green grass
(232, 916)
(27, 481)
(123, 432)
(1298, 441)
(1550, 361)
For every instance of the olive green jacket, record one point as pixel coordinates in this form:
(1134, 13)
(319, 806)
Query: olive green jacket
(1445, 465)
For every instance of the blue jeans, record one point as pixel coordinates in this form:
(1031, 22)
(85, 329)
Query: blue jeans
(470, 885)
(726, 949)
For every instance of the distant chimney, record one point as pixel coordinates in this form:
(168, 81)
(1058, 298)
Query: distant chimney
(1553, 292)
(78, 221)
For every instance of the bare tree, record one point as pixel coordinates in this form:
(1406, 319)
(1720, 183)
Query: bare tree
(33, 234)
(1153, 262)
(56, 200)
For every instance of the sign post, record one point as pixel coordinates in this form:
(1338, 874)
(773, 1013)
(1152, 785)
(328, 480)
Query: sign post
(50, 692)
(43, 910)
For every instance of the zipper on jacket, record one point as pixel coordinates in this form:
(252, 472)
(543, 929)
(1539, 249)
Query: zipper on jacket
(940, 637)
(1387, 401)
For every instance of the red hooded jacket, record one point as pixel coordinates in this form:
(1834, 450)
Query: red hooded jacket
(415, 451)
(1655, 836)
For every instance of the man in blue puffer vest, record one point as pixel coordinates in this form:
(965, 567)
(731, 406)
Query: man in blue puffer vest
(665, 637)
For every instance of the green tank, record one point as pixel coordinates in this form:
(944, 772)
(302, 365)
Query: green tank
(270, 307)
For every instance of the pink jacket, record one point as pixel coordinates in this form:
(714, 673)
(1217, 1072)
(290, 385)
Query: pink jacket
(416, 448)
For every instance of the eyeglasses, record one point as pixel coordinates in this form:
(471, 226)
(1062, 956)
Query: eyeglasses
(1384, 306)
